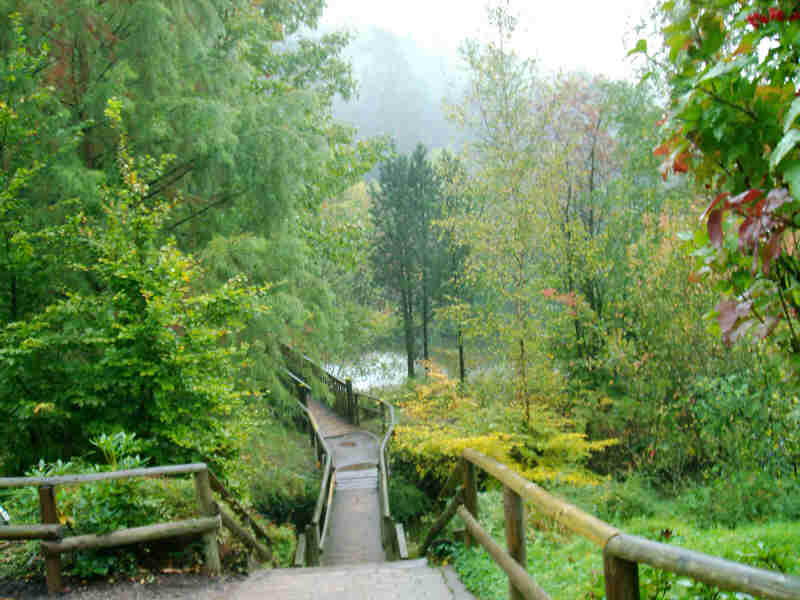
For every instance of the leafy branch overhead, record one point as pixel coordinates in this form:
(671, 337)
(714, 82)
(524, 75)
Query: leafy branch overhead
(731, 122)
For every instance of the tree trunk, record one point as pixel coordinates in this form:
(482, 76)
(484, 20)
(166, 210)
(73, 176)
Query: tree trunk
(461, 372)
(425, 354)
(408, 328)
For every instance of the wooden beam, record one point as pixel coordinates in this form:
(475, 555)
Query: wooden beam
(443, 520)
(49, 515)
(470, 493)
(514, 511)
(300, 551)
(32, 532)
(703, 567)
(208, 507)
(244, 536)
(10, 482)
(516, 574)
(565, 513)
(621, 577)
(135, 535)
(217, 486)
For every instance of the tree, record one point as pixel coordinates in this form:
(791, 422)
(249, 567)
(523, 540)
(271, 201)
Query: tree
(500, 111)
(404, 207)
(731, 122)
(146, 351)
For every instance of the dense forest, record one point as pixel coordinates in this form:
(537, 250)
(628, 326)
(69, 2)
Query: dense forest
(593, 281)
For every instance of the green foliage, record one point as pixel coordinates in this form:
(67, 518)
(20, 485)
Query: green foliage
(742, 497)
(407, 500)
(568, 566)
(143, 334)
(440, 422)
(102, 507)
(732, 70)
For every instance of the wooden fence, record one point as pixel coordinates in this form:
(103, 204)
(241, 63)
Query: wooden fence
(621, 552)
(212, 516)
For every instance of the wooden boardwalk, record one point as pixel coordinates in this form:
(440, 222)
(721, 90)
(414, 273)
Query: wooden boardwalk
(354, 565)
(354, 529)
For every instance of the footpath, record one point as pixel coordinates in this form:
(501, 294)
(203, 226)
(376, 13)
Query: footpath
(354, 565)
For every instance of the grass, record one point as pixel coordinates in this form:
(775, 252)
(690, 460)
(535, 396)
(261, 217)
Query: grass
(568, 567)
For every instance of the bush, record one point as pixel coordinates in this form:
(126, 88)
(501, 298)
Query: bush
(102, 507)
(285, 497)
(406, 501)
(743, 497)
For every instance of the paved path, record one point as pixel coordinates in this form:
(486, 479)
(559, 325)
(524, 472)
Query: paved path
(404, 580)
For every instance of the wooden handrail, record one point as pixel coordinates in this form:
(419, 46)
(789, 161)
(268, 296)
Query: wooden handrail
(11, 482)
(621, 552)
(565, 513)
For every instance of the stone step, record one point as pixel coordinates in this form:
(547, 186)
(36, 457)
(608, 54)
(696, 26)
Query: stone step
(364, 479)
(402, 580)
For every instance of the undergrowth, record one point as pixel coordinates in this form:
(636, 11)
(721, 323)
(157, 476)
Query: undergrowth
(569, 567)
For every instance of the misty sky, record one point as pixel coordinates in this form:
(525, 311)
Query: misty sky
(568, 35)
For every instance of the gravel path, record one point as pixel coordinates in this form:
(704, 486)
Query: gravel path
(162, 587)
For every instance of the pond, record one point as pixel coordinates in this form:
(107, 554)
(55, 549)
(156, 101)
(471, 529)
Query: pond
(374, 369)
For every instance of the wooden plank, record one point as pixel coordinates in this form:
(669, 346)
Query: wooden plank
(331, 488)
(621, 577)
(32, 532)
(312, 545)
(217, 486)
(514, 511)
(470, 492)
(565, 513)
(244, 536)
(136, 535)
(10, 482)
(443, 520)
(703, 567)
(323, 490)
(516, 574)
(49, 515)
(300, 552)
(208, 507)
(402, 545)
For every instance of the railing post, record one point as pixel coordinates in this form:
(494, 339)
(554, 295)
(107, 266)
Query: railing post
(49, 515)
(208, 507)
(622, 577)
(312, 545)
(383, 417)
(351, 402)
(514, 510)
(470, 494)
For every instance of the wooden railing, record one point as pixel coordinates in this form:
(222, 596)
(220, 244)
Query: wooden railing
(55, 540)
(621, 552)
(350, 405)
(311, 541)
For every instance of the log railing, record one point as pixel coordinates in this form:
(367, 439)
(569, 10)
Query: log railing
(55, 540)
(621, 552)
(310, 542)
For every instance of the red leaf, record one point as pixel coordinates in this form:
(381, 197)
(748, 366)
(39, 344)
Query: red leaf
(680, 165)
(749, 231)
(772, 250)
(726, 316)
(662, 150)
(715, 228)
(717, 200)
(745, 197)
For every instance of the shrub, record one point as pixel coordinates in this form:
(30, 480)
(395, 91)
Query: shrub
(407, 501)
